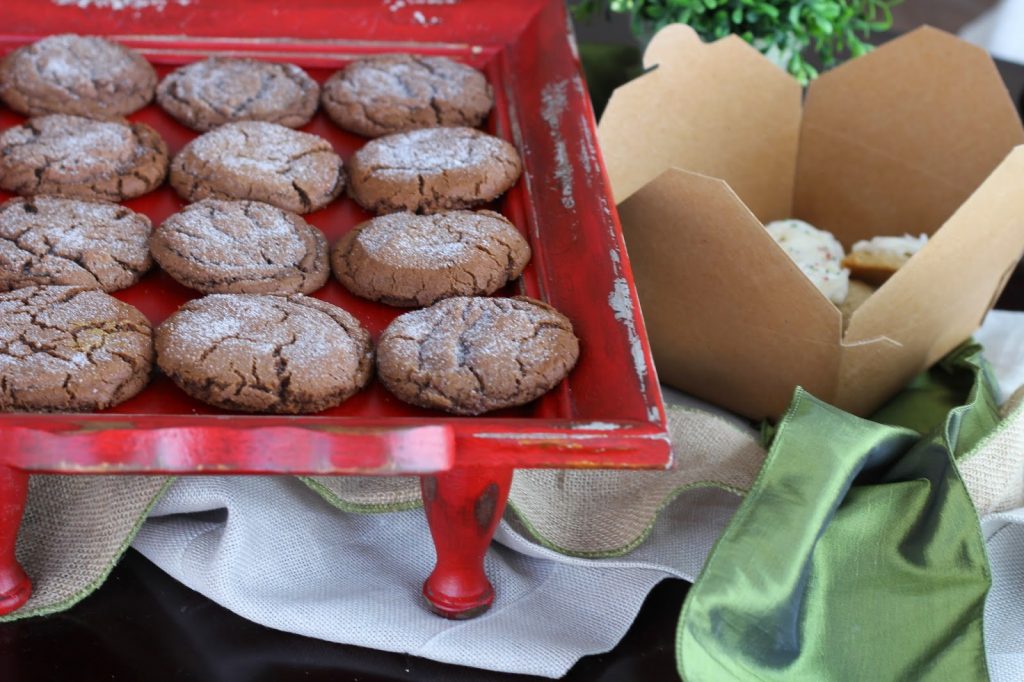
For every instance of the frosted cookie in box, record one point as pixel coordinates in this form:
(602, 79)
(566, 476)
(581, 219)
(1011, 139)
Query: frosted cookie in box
(876, 148)
(876, 260)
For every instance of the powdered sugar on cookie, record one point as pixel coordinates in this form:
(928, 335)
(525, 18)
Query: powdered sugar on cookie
(265, 353)
(250, 247)
(472, 355)
(262, 161)
(406, 259)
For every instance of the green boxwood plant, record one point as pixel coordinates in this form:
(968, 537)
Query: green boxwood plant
(787, 31)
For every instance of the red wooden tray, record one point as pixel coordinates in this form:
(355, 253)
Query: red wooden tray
(608, 413)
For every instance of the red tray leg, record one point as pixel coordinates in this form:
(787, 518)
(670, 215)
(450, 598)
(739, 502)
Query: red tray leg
(15, 587)
(463, 509)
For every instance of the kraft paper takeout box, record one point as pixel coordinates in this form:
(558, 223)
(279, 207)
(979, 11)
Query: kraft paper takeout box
(918, 136)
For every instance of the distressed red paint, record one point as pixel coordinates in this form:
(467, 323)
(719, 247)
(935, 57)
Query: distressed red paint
(607, 414)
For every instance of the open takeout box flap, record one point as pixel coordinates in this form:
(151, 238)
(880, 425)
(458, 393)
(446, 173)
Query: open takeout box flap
(720, 109)
(703, 318)
(941, 295)
(905, 140)
(894, 141)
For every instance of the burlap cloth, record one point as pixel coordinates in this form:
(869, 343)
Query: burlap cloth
(76, 527)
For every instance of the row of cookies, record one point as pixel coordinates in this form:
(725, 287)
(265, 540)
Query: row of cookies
(74, 349)
(96, 78)
(424, 170)
(218, 246)
(61, 80)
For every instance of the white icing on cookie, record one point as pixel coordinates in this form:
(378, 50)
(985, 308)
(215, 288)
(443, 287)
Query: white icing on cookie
(816, 252)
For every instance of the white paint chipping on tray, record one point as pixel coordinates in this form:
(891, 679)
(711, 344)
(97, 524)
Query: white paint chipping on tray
(570, 36)
(422, 19)
(117, 5)
(544, 436)
(597, 426)
(622, 305)
(395, 5)
(419, 17)
(553, 104)
(554, 437)
(610, 222)
(563, 173)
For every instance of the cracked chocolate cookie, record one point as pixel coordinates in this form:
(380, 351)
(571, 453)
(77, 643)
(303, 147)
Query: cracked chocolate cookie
(398, 92)
(277, 354)
(79, 157)
(404, 259)
(471, 355)
(241, 247)
(52, 240)
(262, 161)
(219, 90)
(70, 349)
(73, 74)
(432, 170)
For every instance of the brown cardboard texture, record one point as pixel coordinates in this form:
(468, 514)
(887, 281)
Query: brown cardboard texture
(920, 135)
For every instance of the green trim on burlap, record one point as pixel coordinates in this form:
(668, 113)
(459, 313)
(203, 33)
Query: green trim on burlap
(335, 500)
(96, 580)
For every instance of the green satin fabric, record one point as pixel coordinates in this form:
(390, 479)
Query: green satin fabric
(857, 554)
(958, 395)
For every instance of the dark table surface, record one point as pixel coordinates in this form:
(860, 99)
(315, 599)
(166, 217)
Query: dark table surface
(142, 625)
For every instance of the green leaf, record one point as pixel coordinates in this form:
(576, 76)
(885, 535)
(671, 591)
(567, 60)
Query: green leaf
(830, 11)
(791, 30)
(794, 15)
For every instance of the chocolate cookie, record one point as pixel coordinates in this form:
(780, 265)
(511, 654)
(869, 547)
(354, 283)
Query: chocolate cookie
(284, 355)
(51, 240)
(219, 90)
(405, 259)
(79, 157)
(70, 349)
(263, 161)
(432, 170)
(472, 355)
(80, 75)
(241, 247)
(398, 92)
